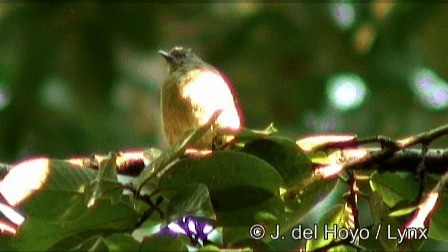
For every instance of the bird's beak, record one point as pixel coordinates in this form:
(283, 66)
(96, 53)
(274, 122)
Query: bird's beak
(168, 57)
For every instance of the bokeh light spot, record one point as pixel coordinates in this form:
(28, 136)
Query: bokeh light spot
(4, 96)
(346, 91)
(56, 95)
(431, 90)
(343, 15)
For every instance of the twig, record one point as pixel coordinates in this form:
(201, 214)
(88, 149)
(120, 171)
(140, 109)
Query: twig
(425, 137)
(352, 199)
(442, 183)
(436, 161)
(355, 142)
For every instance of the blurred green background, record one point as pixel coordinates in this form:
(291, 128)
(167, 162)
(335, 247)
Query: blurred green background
(77, 79)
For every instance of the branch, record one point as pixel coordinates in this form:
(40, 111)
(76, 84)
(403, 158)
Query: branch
(399, 145)
(436, 160)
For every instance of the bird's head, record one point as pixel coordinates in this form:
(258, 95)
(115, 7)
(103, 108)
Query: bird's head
(179, 56)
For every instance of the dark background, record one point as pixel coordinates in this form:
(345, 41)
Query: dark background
(77, 79)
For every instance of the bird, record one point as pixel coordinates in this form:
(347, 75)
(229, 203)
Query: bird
(191, 93)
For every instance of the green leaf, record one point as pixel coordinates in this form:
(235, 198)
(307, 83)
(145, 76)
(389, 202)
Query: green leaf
(380, 216)
(58, 209)
(402, 211)
(284, 155)
(320, 157)
(243, 188)
(438, 225)
(192, 200)
(40, 234)
(311, 195)
(108, 168)
(165, 243)
(106, 183)
(210, 248)
(250, 134)
(412, 245)
(91, 241)
(222, 171)
(121, 242)
(250, 245)
(394, 187)
(86, 243)
(236, 224)
(5, 243)
(335, 218)
(63, 190)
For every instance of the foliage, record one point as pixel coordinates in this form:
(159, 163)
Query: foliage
(248, 197)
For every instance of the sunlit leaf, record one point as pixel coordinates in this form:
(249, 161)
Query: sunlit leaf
(403, 211)
(334, 219)
(394, 188)
(284, 155)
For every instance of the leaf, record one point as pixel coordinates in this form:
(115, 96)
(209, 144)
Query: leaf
(250, 245)
(236, 224)
(63, 185)
(108, 168)
(246, 135)
(58, 210)
(191, 200)
(320, 157)
(403, 211)
(284, 155)
(29, 176)
(86, 243)
(5, 243)
(165, 243)
(438, 225)
(40, 234)
(394, 188)
(121, 242)
(412, 245)
(380, 216)
(311, 195)
(106, 183)
(223, 170)
(242, 187)
(211, 248)
(334, 219)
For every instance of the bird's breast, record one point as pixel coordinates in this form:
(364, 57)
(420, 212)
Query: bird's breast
(208, 92)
